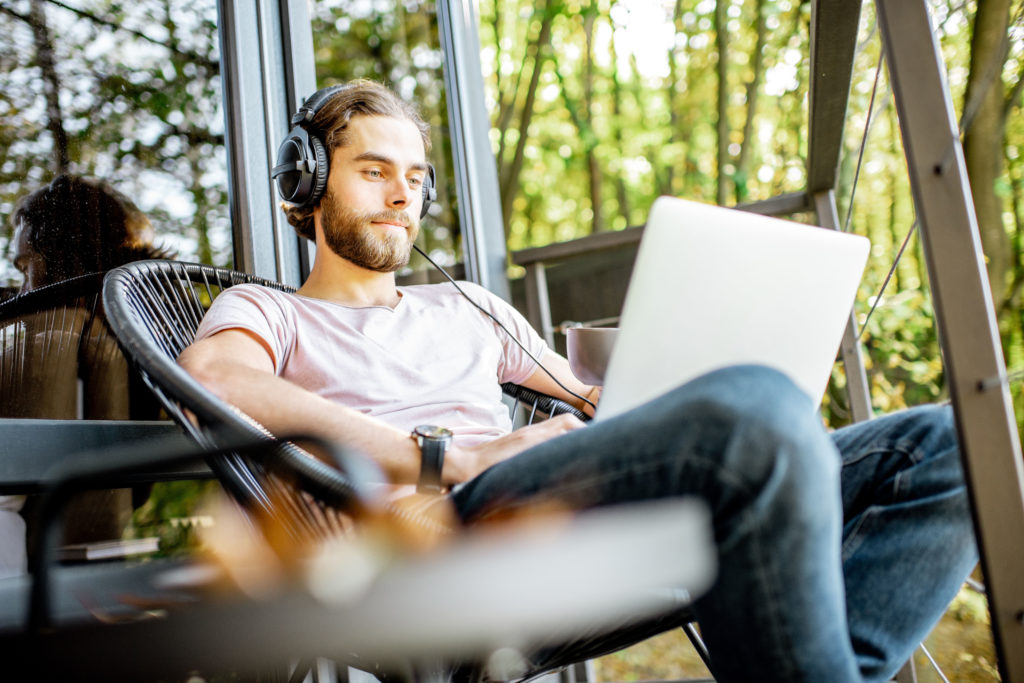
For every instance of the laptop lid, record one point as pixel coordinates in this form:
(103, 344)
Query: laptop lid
(714, 287)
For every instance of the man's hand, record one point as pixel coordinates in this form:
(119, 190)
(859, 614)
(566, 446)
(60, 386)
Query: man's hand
(464, 463)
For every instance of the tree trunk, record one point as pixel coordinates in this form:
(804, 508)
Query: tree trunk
(1012, 301)
(506, 100)
(756, 65)
(674, 124)
(51, 86)
(897, 240)
(593, 167)
(620, 183)
(984, 123)
(722, 43)
(510, 180)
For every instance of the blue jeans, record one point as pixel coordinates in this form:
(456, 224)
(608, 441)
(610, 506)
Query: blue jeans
(837, 552)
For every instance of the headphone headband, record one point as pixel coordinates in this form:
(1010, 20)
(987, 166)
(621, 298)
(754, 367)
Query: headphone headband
(303, 164)
(312, 105)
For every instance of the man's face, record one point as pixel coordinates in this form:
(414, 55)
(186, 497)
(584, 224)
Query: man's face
(369, 213)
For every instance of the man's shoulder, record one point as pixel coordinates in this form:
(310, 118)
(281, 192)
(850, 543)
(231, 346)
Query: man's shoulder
(444, 292)
(251, 290)
(251, 296)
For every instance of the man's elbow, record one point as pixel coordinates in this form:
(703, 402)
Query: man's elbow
(208, 369)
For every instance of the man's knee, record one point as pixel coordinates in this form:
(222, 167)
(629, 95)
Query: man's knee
(744, 392)
(931, 429)
(927, 437)
(762, 428)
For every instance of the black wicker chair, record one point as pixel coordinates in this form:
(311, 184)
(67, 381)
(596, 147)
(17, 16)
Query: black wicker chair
(50, 338)
(155, 307)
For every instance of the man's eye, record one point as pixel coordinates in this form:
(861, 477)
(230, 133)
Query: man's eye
(374, 173)
(415, 182)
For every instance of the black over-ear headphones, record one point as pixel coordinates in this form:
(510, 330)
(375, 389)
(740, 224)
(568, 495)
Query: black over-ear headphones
(303, 164)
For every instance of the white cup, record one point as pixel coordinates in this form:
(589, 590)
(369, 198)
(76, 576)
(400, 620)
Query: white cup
(588, 349)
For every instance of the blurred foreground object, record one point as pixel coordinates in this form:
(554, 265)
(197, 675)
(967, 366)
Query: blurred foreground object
(482, 596)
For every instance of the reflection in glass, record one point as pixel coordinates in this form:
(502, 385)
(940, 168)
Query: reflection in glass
(396, 42)
(125, 92)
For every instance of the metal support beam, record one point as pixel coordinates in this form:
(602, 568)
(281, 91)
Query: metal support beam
(833, 46)
(266, 59)
(300, 83)
(538, 305)
(779, 205)
(476, 175)
(964, 314)
(857, 389)
(908, 674)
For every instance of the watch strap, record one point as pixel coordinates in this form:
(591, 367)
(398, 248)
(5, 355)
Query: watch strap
(431, 464)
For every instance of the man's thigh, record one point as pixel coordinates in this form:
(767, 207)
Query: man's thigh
(721, 427)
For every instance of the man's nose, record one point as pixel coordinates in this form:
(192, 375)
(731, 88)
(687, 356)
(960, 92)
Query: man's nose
(401, 195)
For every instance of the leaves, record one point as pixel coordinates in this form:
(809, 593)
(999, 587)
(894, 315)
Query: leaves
(632, 88)
(136, 89)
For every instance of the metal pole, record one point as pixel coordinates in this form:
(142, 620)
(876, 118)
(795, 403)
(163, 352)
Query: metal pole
(476, 175)
(538, 306)
(975, 367)
(257, 60)
(857, 389)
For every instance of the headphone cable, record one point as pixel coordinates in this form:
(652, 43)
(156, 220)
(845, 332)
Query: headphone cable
(503, 328)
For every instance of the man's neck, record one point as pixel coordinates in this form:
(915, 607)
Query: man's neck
(340, 281)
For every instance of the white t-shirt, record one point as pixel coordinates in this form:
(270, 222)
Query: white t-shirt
(433, 359)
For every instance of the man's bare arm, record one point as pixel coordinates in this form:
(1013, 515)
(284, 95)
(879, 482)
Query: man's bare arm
(237, 367)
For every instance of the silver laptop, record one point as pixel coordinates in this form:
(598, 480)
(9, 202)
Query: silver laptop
(714, 287)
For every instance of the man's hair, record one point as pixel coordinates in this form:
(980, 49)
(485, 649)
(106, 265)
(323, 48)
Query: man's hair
(359, 97)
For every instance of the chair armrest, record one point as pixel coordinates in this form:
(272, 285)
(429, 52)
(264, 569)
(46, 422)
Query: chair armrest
(94, 468)
(541, 402)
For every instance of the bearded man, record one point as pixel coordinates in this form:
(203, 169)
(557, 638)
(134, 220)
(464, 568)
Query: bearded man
(836, 552)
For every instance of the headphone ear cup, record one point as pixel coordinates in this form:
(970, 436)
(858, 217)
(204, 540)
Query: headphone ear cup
(429, 193)
(322, 170)
(289, 173)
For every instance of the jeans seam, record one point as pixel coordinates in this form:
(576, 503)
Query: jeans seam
(774, 601)
(911, 452)
(849, 547)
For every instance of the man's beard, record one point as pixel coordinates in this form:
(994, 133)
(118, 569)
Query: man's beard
(349, 235)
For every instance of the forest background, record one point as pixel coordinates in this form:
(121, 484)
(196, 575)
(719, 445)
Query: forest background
(612, 102)
(597, 106)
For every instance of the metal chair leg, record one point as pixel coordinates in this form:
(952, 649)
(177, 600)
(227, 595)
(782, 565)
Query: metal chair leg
(690, 628)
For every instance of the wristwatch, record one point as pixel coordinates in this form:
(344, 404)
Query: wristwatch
(433, 442)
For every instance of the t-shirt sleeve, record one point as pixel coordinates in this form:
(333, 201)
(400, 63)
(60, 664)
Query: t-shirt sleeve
(515, 364)
(256, 310)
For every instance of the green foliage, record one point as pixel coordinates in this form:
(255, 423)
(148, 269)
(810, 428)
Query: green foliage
(623, 110)
(173, 514)
(138, 89)
(396, 43)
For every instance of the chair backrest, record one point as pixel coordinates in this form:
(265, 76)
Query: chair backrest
(154, 308)
(54, 338)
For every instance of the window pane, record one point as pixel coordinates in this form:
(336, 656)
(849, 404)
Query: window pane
(111, 150)
(396, 42)
(125, 93)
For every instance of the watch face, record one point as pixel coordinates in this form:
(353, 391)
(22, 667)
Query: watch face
(433, 432)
